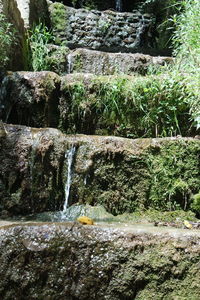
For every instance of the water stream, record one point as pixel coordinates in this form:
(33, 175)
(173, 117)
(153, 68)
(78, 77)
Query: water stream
(140, 31)
(69, 63)
(69, 155)
(118, 5)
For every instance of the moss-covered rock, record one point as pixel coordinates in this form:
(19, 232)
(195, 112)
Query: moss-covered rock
(123, 175)
(30, 98)
(106, 63)
(31, 179)
(90, 262)
(128, 106)
(58, 17)
(57, 58)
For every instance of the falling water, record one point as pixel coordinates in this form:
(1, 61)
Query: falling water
(69, 155)
(69, 63)
(118, 5)
(140, 31)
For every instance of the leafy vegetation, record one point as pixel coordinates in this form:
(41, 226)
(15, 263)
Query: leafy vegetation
(175, 175)
(8, 39)
(39, 39)
(196, 203)
(187, 51)
(131, 106)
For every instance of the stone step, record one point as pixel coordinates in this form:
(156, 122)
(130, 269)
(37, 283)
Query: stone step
(105, 63)
(128, 106)
(121, 174)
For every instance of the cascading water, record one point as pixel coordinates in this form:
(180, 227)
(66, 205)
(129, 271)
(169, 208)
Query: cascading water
(118, 5)
(69, 155)
(140, 31)
(69, 64)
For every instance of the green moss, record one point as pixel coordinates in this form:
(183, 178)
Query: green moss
(119, 184)
(58, 16)
(162, 175)
(175, 174)
(57, 59)
(78, 64)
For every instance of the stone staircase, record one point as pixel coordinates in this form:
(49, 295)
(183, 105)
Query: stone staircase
(77, 102)
(126, 177)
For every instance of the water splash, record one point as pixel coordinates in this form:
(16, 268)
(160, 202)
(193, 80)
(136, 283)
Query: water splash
(118, 5)
(69, 155)
(69, 63)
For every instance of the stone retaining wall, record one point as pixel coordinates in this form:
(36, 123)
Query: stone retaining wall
(106, 31)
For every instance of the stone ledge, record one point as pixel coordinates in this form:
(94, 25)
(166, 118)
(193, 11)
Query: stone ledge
(105, 63)
(62, 261)
(120, 174)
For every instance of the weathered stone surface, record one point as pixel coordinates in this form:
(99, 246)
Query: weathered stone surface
(30, 98)
(105, 63)
(32, 11)
(106, 31)
(76, 262)
(30, 180)
(123, 175)
(162, 10)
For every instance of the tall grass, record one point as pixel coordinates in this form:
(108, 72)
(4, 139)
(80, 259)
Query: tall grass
(187, 51)
(152, 106)
(39, 39)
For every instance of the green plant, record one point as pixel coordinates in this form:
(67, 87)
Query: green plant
(39, 39)
(134, 106)
(78, 63)
(187, 51)
(186, 38)
(174, 174)
(7, 40)
(196, 203)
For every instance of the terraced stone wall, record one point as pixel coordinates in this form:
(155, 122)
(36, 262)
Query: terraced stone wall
(106, 31)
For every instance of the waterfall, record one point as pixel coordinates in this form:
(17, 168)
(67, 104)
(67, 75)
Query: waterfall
(69, 155)
(69, 63)
(140, 31)
(118, 5)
